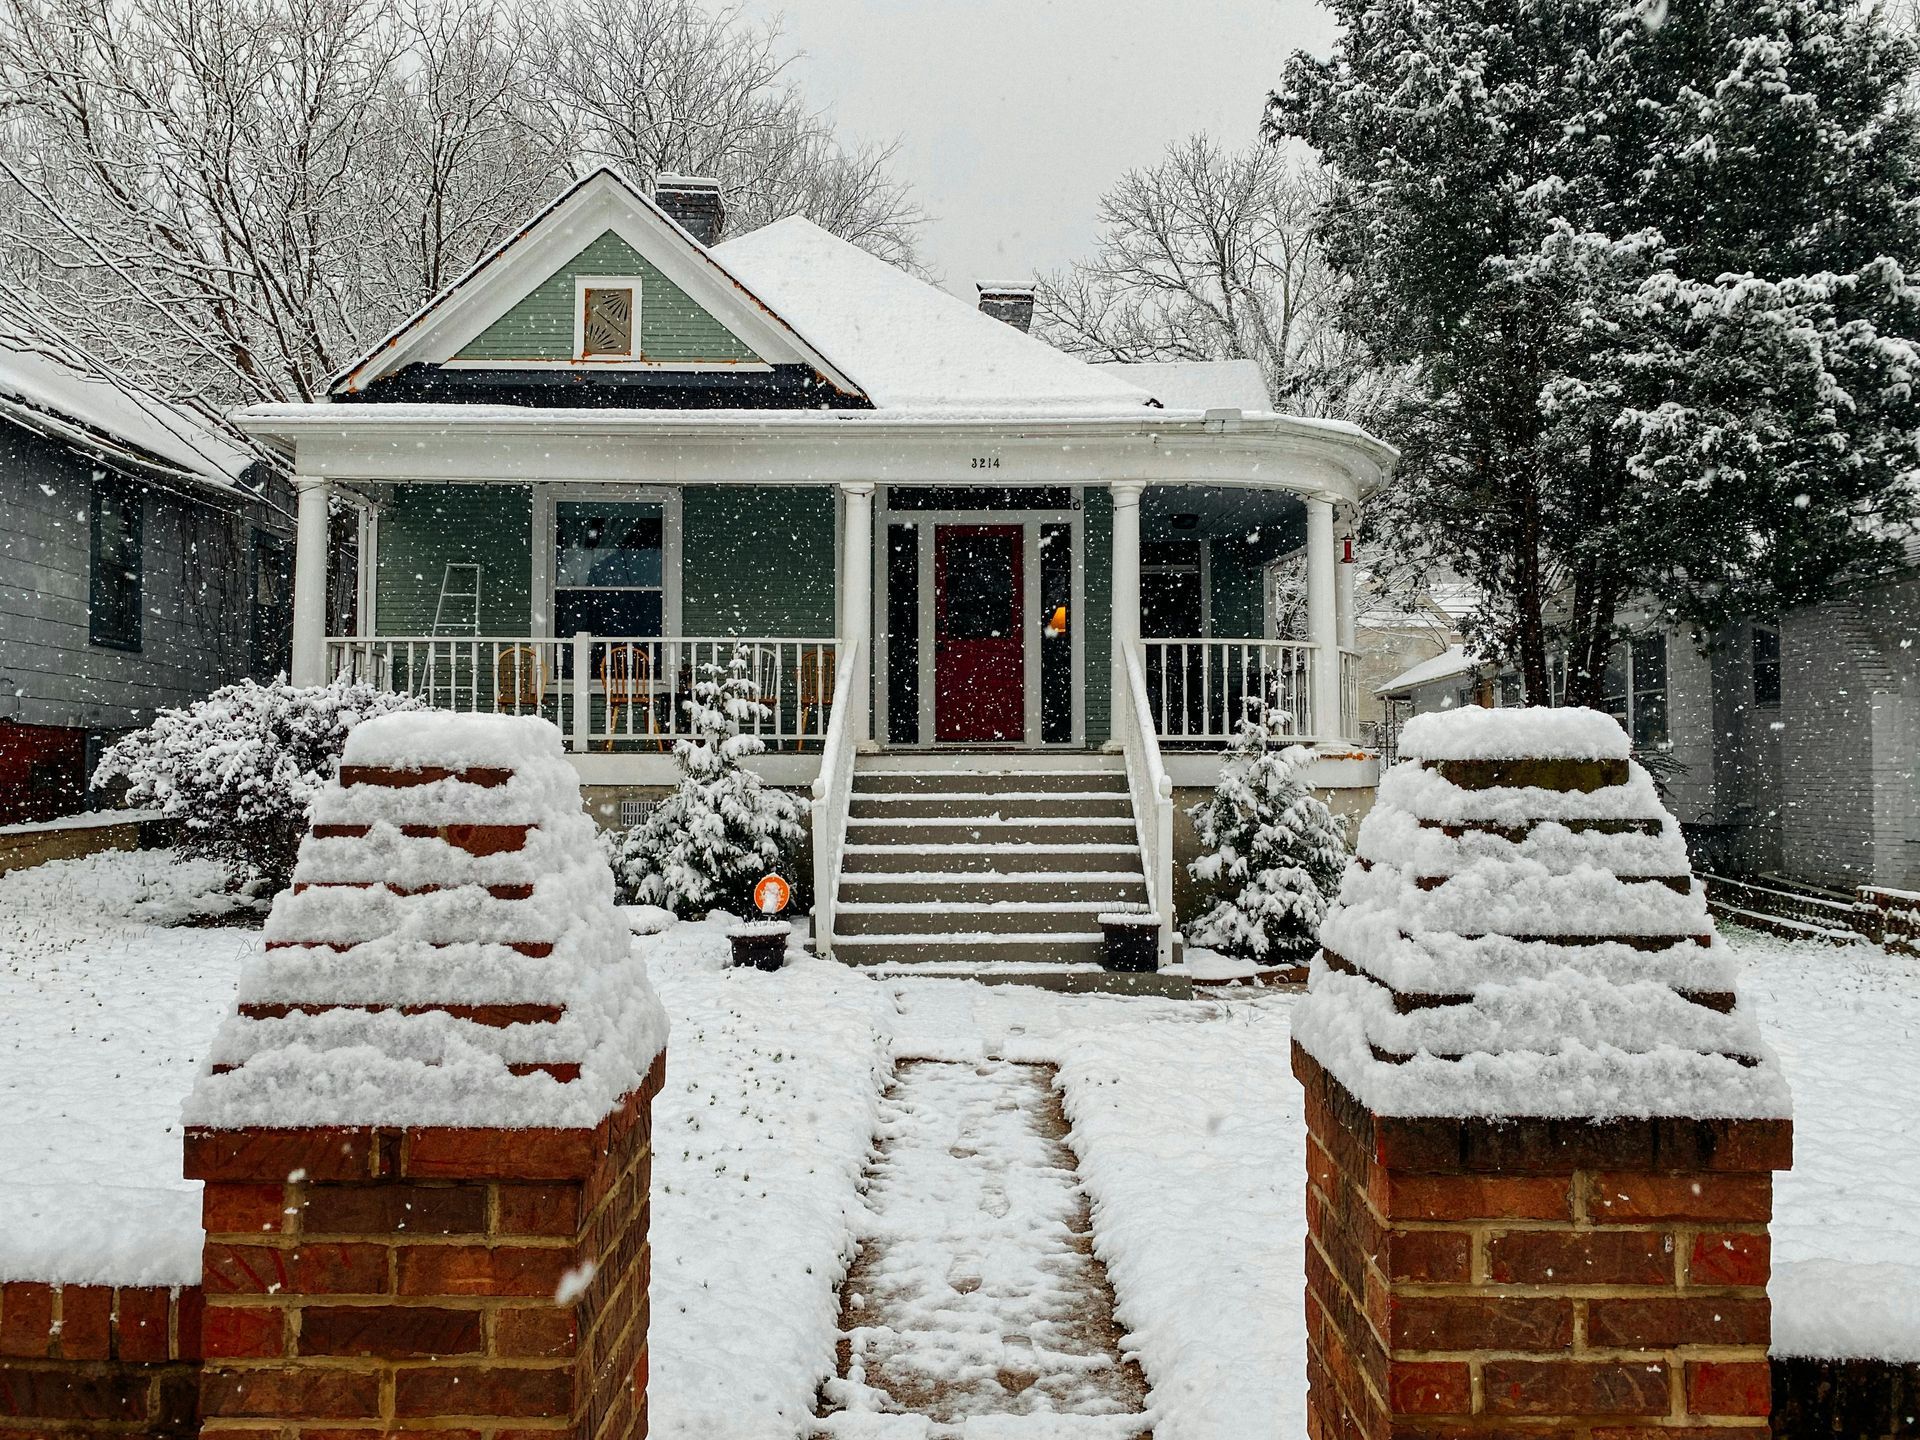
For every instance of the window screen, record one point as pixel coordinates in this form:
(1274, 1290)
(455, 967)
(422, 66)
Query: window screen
(979, 587)
(609, 568)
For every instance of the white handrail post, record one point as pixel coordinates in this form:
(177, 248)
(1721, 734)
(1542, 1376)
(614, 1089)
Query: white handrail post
(582, 690)
(833, 787)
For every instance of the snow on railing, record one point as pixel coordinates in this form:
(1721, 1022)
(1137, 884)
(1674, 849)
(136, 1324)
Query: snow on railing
(1197, 689)
(607, 692)
(833, 790)
(1149, 785)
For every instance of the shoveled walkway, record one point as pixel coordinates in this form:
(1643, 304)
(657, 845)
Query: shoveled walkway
(976, 1307)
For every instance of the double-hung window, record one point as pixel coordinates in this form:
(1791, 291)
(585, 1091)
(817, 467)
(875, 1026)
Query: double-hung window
(1634, 688)
(1766, 665)
(115, 582)
(609, 575)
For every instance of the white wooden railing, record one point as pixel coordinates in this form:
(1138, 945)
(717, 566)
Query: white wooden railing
(1149, 785)
(833, 790)
(1197, 689)
(1349, 694)
(605, 692)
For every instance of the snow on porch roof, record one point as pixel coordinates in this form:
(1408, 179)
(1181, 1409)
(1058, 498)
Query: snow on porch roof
(1199, 384)
(909, 345)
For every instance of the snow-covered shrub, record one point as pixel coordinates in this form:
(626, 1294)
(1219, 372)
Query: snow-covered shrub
(707, 843)
(1273, 849)
(239, 768)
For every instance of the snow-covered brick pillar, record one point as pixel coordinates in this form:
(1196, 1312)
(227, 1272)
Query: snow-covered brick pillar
(424, 1133)
(1543, 1130)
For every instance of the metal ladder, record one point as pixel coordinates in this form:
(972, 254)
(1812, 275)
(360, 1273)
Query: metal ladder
(468, 595)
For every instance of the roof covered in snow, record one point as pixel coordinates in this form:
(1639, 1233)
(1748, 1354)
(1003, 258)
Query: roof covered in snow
(113, 418)
(1199, 384)
(908, 344)
(1454, 660)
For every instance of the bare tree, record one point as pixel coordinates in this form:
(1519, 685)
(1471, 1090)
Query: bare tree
(1210, 254)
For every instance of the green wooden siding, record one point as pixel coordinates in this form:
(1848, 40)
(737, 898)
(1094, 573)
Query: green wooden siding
(672, 325)
(1097, 537)
(423, 528)
(758, 562)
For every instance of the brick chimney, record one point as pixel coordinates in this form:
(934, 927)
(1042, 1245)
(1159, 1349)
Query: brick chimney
(694, 201)
(1011, 303)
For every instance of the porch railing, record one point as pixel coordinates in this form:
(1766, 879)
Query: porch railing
(1349, 694)
(833, 791)
(605, 692)
(1196, 690)
(1149, 785)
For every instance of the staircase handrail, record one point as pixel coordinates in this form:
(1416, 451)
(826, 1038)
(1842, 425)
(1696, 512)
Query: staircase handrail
(1150, 786)
(833, 788)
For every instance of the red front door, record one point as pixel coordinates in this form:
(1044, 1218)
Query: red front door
(979, 657)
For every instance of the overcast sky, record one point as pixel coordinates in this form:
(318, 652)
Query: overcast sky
(1014, 115)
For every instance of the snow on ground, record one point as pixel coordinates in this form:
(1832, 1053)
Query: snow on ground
(104, 1017)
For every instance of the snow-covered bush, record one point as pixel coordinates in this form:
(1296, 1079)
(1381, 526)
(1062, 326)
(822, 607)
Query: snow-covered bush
(1275, 852)
(707, 843)
(239, 768)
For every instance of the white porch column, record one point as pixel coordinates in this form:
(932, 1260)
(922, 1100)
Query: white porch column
(310, 582)
(1126, 563)
(1322, 625)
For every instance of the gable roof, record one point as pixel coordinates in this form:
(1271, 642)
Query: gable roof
(604, 201)
(908, 344)
(113, 419)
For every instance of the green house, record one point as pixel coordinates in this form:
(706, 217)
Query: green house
(613, 454)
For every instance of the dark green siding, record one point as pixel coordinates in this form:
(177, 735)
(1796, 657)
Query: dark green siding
(1097, 533)
(424, 527)
(758, 562)
(672, 326)
(1235, 575)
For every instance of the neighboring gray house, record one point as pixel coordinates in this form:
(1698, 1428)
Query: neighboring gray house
(144, 561)
(1794, 746)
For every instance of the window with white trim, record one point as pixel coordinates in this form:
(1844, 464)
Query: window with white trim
(609, 567)
(1634, 688)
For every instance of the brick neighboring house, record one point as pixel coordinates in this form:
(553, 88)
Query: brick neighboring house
(1795, 744)
(145, 559)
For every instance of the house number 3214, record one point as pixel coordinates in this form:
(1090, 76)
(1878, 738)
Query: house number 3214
(986, 462)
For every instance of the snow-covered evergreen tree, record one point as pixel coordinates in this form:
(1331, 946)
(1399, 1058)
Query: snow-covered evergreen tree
(705, 846)
(1275, 851)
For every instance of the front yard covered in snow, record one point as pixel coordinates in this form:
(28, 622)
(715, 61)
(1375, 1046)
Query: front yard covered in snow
(1185, 1118)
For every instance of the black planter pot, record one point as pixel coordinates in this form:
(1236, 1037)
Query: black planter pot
(1133, 943)
(761, 947)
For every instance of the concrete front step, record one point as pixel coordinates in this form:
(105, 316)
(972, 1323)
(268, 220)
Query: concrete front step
(1018, 805)
(988, 858)
(1067, 979)
(1066, 948)
(1011, 760)
(983, 829)
(932, 916)
(1109, 888)
(962, 782)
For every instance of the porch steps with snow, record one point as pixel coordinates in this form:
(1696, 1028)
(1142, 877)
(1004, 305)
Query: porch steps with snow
(994, 867)
(1783, 907)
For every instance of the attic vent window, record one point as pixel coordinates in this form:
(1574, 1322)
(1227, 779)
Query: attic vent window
(606, 326)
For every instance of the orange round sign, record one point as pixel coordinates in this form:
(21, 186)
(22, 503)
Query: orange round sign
(770, 896)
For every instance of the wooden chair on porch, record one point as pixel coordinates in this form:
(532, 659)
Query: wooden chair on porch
(519, 681)
(816, 689)
(626, 678)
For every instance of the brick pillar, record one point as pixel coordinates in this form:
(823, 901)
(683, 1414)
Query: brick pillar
(1535, 1277)
(417, 1278)
(1520, 1221)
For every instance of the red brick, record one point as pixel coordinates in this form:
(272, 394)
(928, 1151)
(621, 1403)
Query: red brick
(243, 1332)
(479, 1270)
(140, 1324)
(1643, 1324)
(322, 1153)
(537, 1210)
(26, 1318)
(86, 1322)
(307, 1269)
(1436, 1257)
(1729, 1258)
(1467, 1197)
(395, 1209)
(1615, 1197)
(1479, 1322)
(291, 1392)
(483, 1390)
(231, 1207)
(1591, 1257)
(1722, 1387)
(1573, 1388)
(388, 1331)
(189, 1312)
(1429, 1388)
(1684, 1432)
(61, 1393)
(474, 1154)
(535, 1330)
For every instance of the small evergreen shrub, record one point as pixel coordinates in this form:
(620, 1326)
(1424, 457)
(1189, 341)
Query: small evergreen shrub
(239, 768)
(706, 845)
(1273, 849)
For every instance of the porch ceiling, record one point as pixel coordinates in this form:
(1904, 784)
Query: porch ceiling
(1271, 522)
